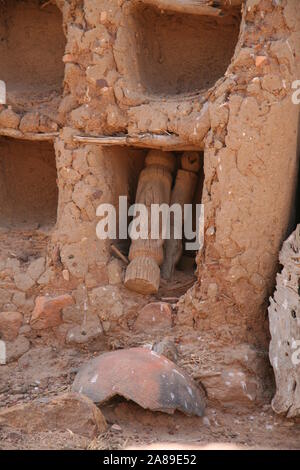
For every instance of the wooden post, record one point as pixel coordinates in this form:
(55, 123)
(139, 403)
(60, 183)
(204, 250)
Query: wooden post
(155, 182)
(284, 320)
(183, 192)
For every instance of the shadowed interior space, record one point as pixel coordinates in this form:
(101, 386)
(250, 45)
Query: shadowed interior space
(32, 45)
(28, 189)
(182, 53)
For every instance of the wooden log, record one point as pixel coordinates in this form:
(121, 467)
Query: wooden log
(143, 275)
(15, 134)
(163, 142)
(195, 7)
(146, 255)
(284, 317)
(182, 193)
(118, 253)
(190, 161)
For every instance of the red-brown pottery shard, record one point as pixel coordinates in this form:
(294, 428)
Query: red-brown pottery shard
(143, 376)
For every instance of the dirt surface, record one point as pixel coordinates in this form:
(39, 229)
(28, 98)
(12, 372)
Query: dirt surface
(45, 372)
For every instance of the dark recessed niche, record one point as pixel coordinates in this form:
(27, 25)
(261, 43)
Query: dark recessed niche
(182, 53)
(28, 188)
(32, 45)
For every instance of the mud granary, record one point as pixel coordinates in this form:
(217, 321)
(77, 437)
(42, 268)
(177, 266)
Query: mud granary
(91, 86)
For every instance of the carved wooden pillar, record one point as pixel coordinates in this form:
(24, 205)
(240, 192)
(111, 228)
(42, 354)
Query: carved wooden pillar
(146, 256)
(183, 192)
(284, 319)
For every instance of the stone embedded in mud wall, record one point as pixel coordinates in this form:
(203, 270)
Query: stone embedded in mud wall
(16, 344)
(70, 411)
(16, 348)
(109, 304)
(10, 323)
(36, 268)
(5, 296)
(87, 332)
(115, 272)
(15, 125)
(232, 387)
(9, 119)
(166, 348)
(25, 276)
(284, 317)
(23, 281)
(154, 317)
(47, 312)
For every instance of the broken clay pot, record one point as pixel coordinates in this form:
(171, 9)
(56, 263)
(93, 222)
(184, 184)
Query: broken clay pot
(143, 376)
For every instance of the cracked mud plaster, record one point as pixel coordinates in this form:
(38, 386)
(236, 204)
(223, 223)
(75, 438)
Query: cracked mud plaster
(250, 167)
(240, 112)
(246, 122)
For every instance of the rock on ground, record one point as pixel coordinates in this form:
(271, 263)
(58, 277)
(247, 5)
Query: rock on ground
(10, 323)
(16, 348)
(70, 411)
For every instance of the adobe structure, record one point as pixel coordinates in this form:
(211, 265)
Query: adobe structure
(92, 87)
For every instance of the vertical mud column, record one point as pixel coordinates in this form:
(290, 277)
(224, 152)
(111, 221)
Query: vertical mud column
(85, 177)
(155, 182)
(84, 181)
(250, 166)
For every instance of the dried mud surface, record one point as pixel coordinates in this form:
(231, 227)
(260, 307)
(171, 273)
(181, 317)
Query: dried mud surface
(247, 126)
(129, 426)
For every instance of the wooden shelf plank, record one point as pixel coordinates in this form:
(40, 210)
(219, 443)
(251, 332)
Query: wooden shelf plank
(200, 7)
(156, 141)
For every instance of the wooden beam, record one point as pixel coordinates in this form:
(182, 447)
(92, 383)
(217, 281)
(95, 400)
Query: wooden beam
(229, 3)
(15, 134)
(166, 142)
(199, 7)
(118, 253)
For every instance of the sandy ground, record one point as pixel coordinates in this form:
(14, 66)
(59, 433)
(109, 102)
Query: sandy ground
(46, 372)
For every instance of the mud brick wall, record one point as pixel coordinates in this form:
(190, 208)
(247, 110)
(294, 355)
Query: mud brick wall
(250, 169)
(232, 100)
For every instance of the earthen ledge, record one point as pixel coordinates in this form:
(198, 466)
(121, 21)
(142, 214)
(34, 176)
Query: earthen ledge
(38, 136)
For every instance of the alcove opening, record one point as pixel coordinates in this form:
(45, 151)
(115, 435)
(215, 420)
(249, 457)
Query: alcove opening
(127, 164)
(181, 53)
(28, 193)
(32, 45)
